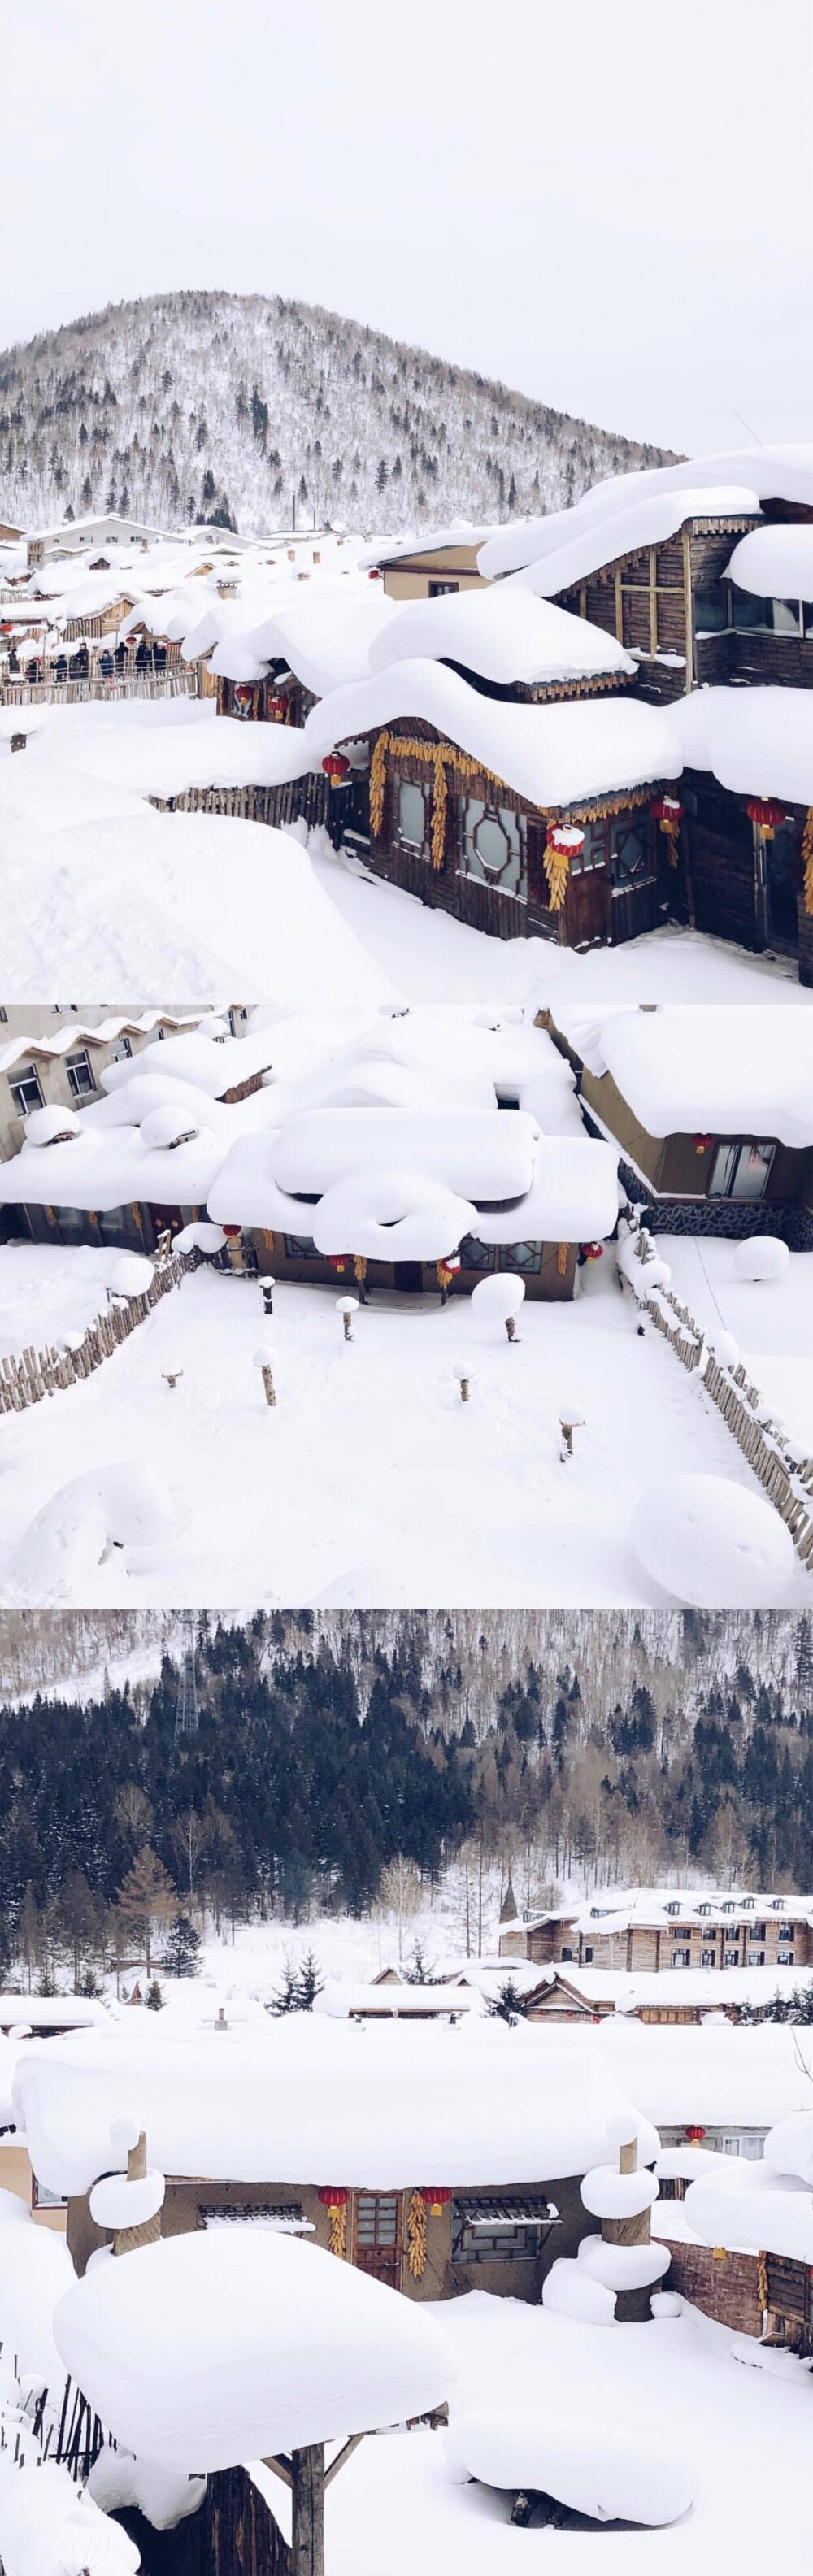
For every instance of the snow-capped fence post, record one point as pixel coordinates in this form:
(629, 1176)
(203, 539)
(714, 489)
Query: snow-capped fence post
(347, 1307)
(264, 1360)
(268, 1286)
(570, 1420)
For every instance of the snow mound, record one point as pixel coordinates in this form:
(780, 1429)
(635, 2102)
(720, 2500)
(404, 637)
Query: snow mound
(714, 1545)
(623, 2267)
(569, 2291)
(117, 2201)
(50, 2527)
(165, 2496)
(200, 1236)
(80, 1524)
(391, 1215)
(763, 1256)
(609, 2479)
(496, 1299)
(209, 2349)
(788, 2147)
(42, 1125)
(131, 1275)
(608, 2194)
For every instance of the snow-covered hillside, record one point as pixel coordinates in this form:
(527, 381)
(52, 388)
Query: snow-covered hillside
(193, 404)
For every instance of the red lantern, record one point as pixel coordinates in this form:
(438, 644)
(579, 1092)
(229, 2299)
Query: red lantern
(338, 1261)
(702, 1144)
(334, 2198)
(276, 707)
(667, 811)
(336, 768)
(567, 838)
(695, 2134)
(593, 1251)
(243, 692)
(231, 1230)
(437, 2198)
(766, 815)
(374, 574)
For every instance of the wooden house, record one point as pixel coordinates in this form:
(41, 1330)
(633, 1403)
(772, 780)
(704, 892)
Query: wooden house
(704, 1174)
(656, 1929)
(446, 561)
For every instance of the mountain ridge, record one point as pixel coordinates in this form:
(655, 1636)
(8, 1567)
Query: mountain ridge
(300, 407)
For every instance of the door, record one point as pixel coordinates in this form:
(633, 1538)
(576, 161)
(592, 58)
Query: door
(409, 1277)
(783, 875)
(634, 873)
(378, 2236)
(583, 920)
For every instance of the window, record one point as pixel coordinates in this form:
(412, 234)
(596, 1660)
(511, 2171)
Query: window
(731, 2145)
(727, 1906)
(740, 1171)
(786, 1958)
(475, 1255)
(586, 862)
(301, 1247)
(732, 1959)
(81, 1077)
(756, 1958)
(411, 815)
(119, 1048)
(777, 1904)
(492, 2245)
(708, 1958)
(748, 1905)
(377, 2218)
(675, 1909)
(588, 1958)
(42, 2198)
(758, 1931)
(631, 852)
(521, 1256)
(681, 1958)
(702, 1909)
(566, 1954)
(777, 616)
(492, 845)
(25, 1090)
(441, 589)
(711, 609)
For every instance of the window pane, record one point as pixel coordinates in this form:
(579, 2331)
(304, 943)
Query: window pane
(475, 1255)
(753, 1165)
(785, 616)
(630, 848)
(521, 1256)
(711, 610)
(492, 844)
(722, 1171)
(411, 815)
(747, 610)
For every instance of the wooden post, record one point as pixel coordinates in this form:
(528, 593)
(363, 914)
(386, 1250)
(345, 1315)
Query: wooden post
(308, 2533)
(688, 608)
(268, 1383)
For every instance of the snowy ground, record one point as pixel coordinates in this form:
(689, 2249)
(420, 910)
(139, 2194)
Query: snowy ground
(672, 2386)
(772, 1323)
(370, 1481)
(104, 894)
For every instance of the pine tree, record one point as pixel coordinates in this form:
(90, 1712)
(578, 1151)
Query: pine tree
(147, 1898)
(180, 1957)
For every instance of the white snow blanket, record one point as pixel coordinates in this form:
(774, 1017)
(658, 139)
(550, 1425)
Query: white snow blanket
(610, 2481)
(557, 755)
(758, 742)
(755, 2219)
(165, 2496)
(35, 2269)
(504, 634)
(685, 1069)
(219, 2347)
(775, 562)
(714, 1544)
(249, 2105)
(50, 2527)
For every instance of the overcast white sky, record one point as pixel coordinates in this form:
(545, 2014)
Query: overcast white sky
(608, 203)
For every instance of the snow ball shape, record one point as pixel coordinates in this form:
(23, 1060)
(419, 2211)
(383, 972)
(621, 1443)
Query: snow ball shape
(623, 2267)
(44, 1126)
(609, 2194)
(788, 2147)
(391, 1216)
(131, 1275)
(596, 2470)
(665, 2304)
(726, 1350)
(497, 1300)
(74, 1531)
(118, 2202)
(764, 1256)
(569, 2292)
(211, 1026)
(712, 1544)
(167, 1127)
(124, 2134)
(347, 1305)
(266, 1352)
(200, 1236)
(12, 2210)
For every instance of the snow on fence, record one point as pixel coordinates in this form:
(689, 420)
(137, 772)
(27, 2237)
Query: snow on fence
(284, 803)
(26, 1380)
(36, 693)
(786, 1477)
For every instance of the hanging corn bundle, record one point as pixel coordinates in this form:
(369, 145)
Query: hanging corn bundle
(564, 844)
(807, 860)
(416, 2236)
(335, 2202)
(667, 812)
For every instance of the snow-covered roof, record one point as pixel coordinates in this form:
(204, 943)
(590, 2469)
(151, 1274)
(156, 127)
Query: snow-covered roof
(757, 741)
(685, 1069)
(215, 2348)
(613, 1910)
(636, 1990)
(314, 2101)
(555, 755)
(727, 485)
(775, 562)
(381, 1137)
(712, 2074)
(51, 2012)
(79, 1032)
(749, 2209)
(583, 549)
(503, 633)
(326, 640)
(434, 541)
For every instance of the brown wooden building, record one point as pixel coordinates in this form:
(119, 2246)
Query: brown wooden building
(678, 1932)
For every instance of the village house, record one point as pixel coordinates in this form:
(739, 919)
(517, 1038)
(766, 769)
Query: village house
(331, 2130)
(44, 1065)
(430, 567)
(712, 1114)
(657, 1928)
(422, 1152)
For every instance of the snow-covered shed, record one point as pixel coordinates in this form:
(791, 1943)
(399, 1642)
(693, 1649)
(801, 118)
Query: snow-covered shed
(436, 2158)
(712, 1113)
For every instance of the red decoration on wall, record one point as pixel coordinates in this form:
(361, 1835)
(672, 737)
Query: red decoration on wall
(334, 2198)
(436, 2196)
(766, 815)
(695, 2133)
(336, 768)
(667, 811)
(567, 838)
(702, 1144)
(593, 1251)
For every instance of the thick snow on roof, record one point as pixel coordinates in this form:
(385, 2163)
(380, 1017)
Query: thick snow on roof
(432, 541)
(555, 755)
(610, 1910)
(217, 751)
(326, 639)
(638, 522)
(685, 1069)
(750, 2210)
(503, 633)
(712, 2074)
(219, 2347)
(703, 486)
(758, 742)
(314, 2101)
(775, 562)
(35, 2269)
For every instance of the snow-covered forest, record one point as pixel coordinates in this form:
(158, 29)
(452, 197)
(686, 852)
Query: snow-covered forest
(240, 407)
(335, 1754)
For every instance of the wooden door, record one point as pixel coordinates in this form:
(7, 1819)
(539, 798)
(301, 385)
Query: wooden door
(583, 920)
(378, 2236)
(409, 1277)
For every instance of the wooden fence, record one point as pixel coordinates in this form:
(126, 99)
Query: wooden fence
(26, 1380)
(146, 684)
(284, 803)
(786, 1475)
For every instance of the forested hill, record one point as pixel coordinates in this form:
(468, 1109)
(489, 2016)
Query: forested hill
(332, 1751)
(196, 404)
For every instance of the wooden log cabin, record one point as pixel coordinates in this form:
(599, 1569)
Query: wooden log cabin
(652, 1930)
(704, 1174)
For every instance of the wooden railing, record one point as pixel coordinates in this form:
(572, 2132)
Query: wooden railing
(136, 684)
(785, 1473)
(26, 1380)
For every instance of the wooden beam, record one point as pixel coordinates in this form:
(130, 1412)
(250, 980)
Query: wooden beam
(344, 2454)
(653, 601)
(619, 617)
(688, 614)
(282, 2469)
(308, 2536)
